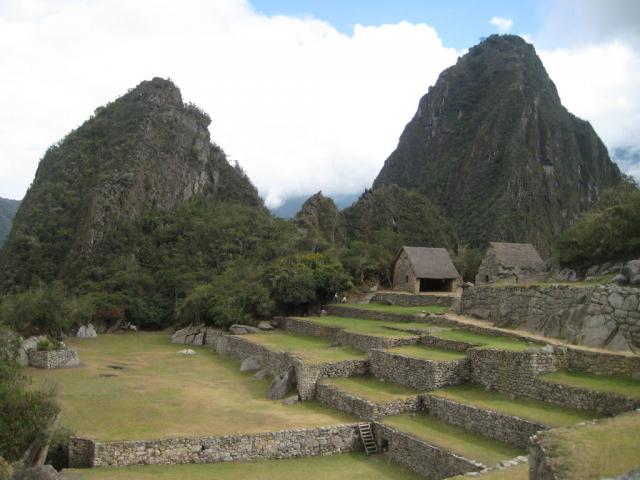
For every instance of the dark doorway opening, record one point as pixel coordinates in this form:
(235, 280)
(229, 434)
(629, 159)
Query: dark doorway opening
(435, 285)
(486, 279)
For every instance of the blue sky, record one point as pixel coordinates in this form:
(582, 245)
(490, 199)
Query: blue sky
(460, 23)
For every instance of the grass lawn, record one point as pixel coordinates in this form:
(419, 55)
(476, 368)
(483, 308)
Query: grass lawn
(487, 341)
(521, 472)
(626, 386)
(534, 410)
(427, 353)
(310, 349)
(369, 327)
(607, 449)
(381, 307)
(442, 434)
(347, 466)
(136, 386)
(372, 389)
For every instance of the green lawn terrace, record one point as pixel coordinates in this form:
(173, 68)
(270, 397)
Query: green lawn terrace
(520, 472)
(313, 350)
(527, 409)
(138, 387)
(377, 328)
(427, 353)
(384, 308)
(371, 389)
(479, 340)
(617, 385)
(454, 439)
(346, 466)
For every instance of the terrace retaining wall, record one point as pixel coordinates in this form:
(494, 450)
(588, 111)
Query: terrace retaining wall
(283, 444)
(366, 314)
(66, 357)
(429, 461)
(421, 374)
(409, 300)
(332, 396)
(498, 426)
(606, 316)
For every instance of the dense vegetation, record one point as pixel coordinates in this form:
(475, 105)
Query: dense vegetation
(608, 232)
(8, 209)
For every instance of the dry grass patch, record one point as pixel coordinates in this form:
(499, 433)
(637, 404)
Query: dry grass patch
(159, 393)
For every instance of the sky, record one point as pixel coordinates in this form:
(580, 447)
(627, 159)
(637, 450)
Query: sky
(306, 95)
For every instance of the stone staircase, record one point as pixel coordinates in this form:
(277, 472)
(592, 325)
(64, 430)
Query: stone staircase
(368, 440)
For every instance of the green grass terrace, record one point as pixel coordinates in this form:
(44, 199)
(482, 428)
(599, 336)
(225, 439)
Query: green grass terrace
(347, 466)
(625, 386)
(371, 389)
(311, 349)
(486, 341)
(381, 307)
(427, 353)
(138, 387)
(379, 328)
(439, 433)
(528, 409)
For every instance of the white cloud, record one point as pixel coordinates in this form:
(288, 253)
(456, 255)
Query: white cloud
(503, 24)
(301, 106)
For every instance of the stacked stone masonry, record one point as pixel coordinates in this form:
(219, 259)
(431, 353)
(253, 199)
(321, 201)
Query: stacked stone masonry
(423, 375)
(260, 446)
(409, 300)
(498, 426)
(429, 461)
(606, 316)
(66, 357)
(332, 396)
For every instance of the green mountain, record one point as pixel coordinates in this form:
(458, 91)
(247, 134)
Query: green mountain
(143, 154)
(320, 222)
(8, 209)
(492, 146)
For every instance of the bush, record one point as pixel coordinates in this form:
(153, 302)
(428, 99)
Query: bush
(467, 262)
(44, 345)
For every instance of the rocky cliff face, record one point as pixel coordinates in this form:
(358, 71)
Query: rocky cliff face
(147, 150)
(8, 210)
(493, 147)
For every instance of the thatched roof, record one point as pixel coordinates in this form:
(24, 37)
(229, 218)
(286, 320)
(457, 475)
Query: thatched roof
(430, 262)
(517, 255)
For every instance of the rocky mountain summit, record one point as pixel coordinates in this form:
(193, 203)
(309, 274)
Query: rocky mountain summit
(147, 150)
(492, 146)
(320, 221)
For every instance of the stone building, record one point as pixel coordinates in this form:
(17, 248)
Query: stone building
(422, 269)
(510, 261)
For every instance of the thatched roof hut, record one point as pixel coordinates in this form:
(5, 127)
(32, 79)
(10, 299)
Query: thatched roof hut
(509, 260)
(424, 269)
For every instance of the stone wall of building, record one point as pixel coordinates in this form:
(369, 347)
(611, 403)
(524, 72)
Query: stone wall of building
(416, 300)
(80, 452)
(421, 374)
(403, 276)
(66, 357)
(606, 316)
(498, 426)
(359, 407)
(259, 446)
(429, 461)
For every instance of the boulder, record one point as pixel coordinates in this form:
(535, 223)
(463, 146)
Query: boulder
(323, 313)
(250, 364)
(265, 326)
(261, 374)
(180, 336)
(242, 329)
(41, 472)
(282, 384)
(619, 279)
(87, 331)
(293, 399)
(632, 272)
(187, 351)
(547, 349)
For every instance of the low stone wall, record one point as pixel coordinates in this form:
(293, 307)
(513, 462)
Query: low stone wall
(66, 357)
(601, 363)
(338, 335)
(539, 467)
(274, 362)
(581, 398)
(512, 372)
(259, 446)
(354, 312)
(429, 461)
(80, 452)
(606, 316)
(307, 375)
(420, 374)
(454, 345)
(332, 396)
(410, 300)
(498, 426)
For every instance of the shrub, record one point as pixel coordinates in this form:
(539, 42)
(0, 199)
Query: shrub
(43, 345)
(35, 312)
